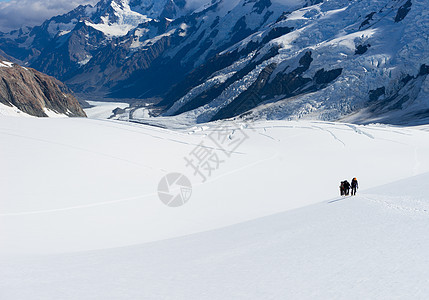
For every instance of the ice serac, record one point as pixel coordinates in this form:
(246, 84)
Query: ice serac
(35, 93)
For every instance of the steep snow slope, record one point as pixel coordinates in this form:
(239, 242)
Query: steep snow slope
(98, 191)
(117, 19)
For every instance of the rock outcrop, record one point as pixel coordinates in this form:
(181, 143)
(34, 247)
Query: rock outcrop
(35, 93)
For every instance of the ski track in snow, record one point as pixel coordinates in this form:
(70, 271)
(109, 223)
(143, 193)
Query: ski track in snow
(76, 207)
(359, 131)
(331, 133)
(268, 136)
(140, 197)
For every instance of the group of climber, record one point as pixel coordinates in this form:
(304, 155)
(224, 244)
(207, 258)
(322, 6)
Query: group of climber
(345, 187)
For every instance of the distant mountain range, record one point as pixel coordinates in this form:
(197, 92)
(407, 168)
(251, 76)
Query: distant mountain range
(366, 61)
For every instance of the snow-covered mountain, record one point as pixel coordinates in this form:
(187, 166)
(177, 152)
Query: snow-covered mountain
(25, 91)
(322, 61)
(63, 44)
(367, 60)
(118, 43)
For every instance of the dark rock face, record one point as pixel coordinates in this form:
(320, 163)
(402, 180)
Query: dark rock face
(325, 77)
(261, 5)
(361, 49)
(424, 70)
(31, 92)
(368, 18)
(240, 30)
(170, 10)
(275, 33)
(403, 11)
(377, 93)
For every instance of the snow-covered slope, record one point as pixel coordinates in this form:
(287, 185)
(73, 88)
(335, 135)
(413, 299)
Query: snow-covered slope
(62, 234)
(373, 246)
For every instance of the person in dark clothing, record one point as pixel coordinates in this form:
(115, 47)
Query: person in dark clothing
(355, 186)
(342, 188)
(346, 188)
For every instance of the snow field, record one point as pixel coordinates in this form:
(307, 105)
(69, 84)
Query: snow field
(76, 184)
(80, 217)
